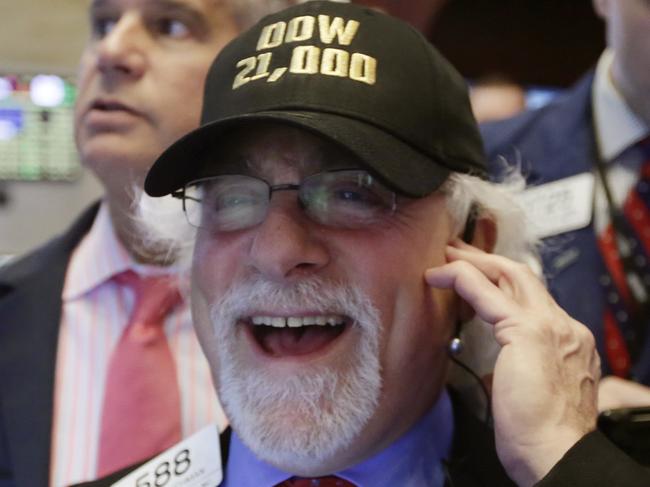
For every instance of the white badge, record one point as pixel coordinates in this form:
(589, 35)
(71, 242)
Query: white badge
(559, 206)
(194, 462)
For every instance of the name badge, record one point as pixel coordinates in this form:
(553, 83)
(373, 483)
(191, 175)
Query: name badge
(559, 206)
(194, 462)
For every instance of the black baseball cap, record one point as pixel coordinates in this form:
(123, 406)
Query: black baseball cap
(360, 78)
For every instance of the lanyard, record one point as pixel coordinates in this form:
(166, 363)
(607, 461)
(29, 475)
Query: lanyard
(634, 330)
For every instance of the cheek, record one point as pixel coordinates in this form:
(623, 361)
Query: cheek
(209, 273)
(87, 65)
(421, 316)
(413, 356)
(410, 310)
(182, 112)
(201, 318)
(207, 269)
(84, 75)
(216, 263)
(418, 320)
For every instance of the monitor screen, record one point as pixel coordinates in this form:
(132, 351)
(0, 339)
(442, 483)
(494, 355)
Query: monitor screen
(36, 128)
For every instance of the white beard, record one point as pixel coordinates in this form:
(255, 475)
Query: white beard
(163, 228)
(304, 419)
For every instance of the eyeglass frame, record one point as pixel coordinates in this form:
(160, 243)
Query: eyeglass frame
(181, 193)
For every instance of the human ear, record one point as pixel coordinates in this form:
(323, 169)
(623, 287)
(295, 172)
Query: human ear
(484, 237)
(485, 233)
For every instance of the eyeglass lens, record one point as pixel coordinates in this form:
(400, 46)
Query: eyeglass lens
(344, 198)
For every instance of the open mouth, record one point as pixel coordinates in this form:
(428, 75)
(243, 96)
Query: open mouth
(281, 336)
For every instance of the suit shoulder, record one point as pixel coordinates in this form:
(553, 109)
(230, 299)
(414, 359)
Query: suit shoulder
(54, 250)
(21, 267)
(544, 127)
(500, 133)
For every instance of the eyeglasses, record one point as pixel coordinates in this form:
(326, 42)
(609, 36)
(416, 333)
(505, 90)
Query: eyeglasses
(342, 198)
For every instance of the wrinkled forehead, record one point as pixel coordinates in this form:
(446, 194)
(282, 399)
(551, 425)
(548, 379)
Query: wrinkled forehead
(268, 149)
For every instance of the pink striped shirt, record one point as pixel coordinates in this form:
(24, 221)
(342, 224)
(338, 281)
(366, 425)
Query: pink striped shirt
(95, 312)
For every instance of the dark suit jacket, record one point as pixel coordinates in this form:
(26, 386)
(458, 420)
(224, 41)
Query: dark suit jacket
(30, 311)
(593, 462)
(552, 143)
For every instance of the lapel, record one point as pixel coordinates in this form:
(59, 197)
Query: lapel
(30, 310)
(552, 143)
(549, 143)
(474, 461)
(572, 262)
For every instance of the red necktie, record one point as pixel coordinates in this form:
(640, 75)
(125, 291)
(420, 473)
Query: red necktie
(141, 411)
(626, 286)
(329, 481)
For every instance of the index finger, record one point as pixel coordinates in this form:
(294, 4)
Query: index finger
(488, 301)
(515, 278)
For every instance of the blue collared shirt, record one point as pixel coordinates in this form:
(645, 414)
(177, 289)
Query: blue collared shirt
(414, 460)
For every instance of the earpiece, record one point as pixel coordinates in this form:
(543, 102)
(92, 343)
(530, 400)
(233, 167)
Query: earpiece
(455, 346)
(470, 224)
(454, 349)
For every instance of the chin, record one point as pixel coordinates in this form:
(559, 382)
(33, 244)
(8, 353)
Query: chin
(304, 422)
(297, 415)
(107, 153)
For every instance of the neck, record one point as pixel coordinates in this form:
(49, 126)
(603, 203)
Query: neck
(128, 231)
(639, 103)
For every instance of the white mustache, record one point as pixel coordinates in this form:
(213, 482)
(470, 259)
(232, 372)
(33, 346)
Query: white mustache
(254, 295)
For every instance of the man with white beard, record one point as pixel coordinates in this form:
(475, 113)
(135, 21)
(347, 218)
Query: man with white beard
(344, 232)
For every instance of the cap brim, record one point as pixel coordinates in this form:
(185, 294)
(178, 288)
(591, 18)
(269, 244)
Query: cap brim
(399, 165)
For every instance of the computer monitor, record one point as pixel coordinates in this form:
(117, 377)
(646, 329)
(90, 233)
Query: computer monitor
(36, 128)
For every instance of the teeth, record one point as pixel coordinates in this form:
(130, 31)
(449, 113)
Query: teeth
(297, 321)
(294, 322)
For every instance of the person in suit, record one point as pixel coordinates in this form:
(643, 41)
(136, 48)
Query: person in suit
(595, 128)
(61, 310)
(345, 236)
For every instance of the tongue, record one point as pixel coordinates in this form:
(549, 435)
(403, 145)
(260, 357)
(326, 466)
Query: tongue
(297, 341)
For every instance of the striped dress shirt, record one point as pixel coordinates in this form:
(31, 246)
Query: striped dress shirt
(95, 312)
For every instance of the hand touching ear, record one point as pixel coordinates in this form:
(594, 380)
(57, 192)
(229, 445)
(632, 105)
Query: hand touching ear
(544, 388)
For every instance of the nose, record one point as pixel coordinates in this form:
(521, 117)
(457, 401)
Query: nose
(122, 50)
(286, 245)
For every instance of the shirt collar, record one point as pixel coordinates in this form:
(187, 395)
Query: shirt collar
(99, 256)
(617, 127)
(86, 270)
(412, 460)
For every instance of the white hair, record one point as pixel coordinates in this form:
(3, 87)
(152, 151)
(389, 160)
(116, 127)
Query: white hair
(515, 240)
(164, 226)
(164, 232)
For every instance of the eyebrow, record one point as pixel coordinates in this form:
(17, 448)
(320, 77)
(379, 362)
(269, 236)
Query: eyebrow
(172, 6)
(187, 12)
(165, 4)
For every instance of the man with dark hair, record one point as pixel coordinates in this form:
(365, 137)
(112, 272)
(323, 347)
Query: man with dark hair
(344, 239)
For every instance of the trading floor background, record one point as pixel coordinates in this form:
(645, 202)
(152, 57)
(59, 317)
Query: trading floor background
(526, 43)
